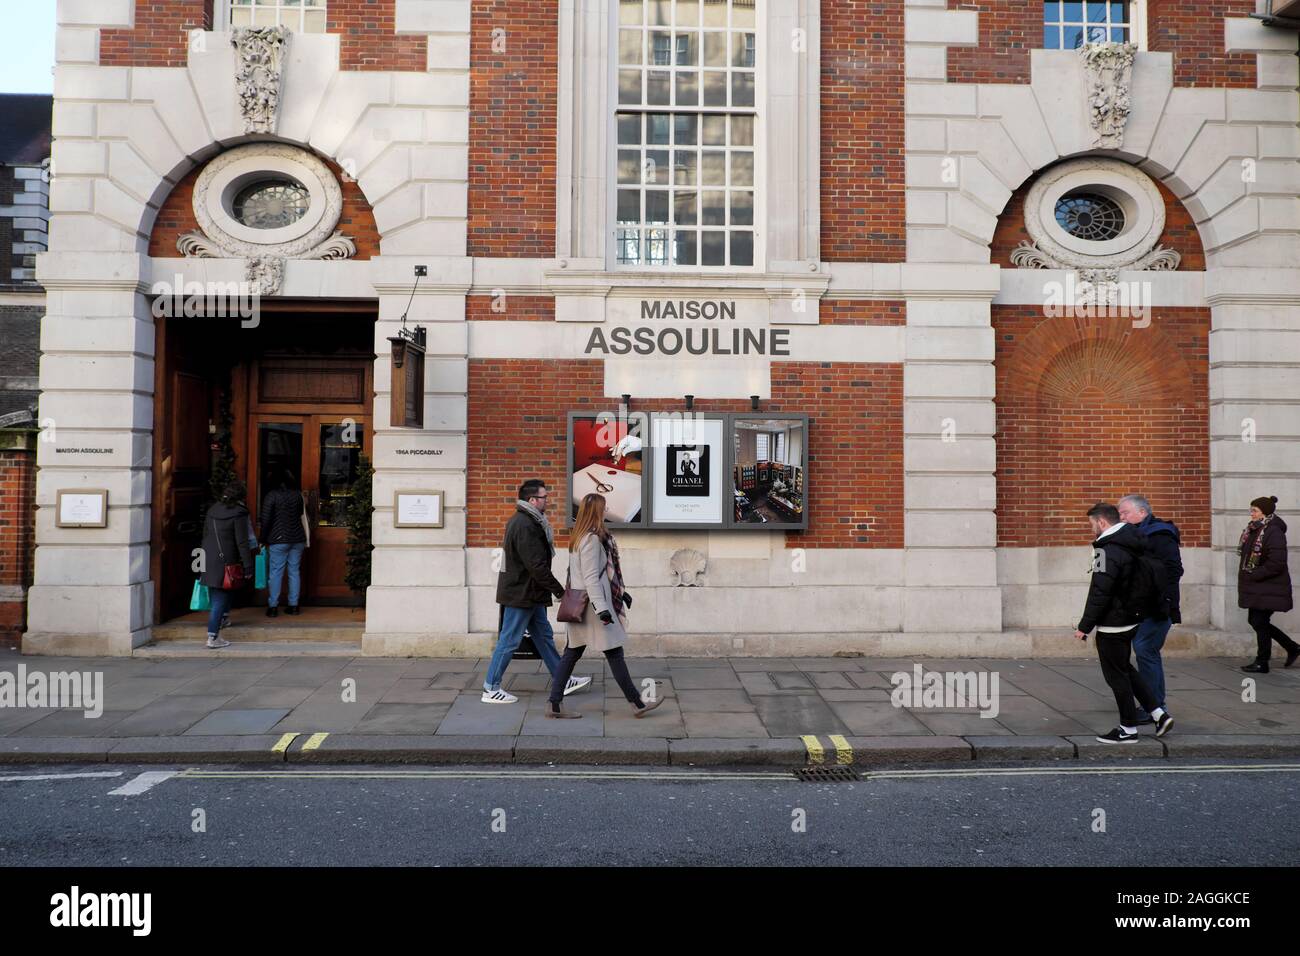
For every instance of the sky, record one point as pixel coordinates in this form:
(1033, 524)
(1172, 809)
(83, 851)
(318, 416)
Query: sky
(27, 47)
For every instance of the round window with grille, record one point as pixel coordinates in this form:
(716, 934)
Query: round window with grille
(271, 204)
(1090, 216)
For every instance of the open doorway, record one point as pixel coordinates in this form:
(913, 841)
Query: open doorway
(295, 394)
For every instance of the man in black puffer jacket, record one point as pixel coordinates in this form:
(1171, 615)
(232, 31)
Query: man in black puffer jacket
(1117, 547)
(285, 534)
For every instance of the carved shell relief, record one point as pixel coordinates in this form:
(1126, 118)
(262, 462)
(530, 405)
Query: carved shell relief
(687, 566)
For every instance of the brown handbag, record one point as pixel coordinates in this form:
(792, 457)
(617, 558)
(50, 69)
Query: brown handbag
(573, 606)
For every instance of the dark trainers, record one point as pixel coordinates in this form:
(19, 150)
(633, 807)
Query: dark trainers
(1257, 667)
(272, 611)
(1164, 724)
(1291, 657)
(1117, 736)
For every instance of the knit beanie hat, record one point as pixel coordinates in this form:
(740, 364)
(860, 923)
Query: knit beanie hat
(1265, 505)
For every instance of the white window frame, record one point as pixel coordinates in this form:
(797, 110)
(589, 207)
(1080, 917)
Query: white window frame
(222, 11)
(1137, 25)
(758, 263)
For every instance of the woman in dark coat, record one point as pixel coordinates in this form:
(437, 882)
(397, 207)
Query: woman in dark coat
(225, 541)
(1264, 583)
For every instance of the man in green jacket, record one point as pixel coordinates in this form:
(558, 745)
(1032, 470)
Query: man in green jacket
(524, 588)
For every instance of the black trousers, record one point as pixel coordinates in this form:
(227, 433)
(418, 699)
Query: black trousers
(1266, 632)
(617, 667)
(1122, 677)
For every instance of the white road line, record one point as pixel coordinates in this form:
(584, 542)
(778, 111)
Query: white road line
(61, 776)
(1065, 771)
(145, 781)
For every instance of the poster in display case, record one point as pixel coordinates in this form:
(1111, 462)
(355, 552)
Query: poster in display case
(688, 462)
(606, 457)
(769, 471)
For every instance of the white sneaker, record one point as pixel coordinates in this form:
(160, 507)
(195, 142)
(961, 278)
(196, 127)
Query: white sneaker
(575, 684)
(498, 697)
(215, 641)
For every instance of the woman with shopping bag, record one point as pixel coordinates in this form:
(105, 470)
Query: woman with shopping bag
(227, 555)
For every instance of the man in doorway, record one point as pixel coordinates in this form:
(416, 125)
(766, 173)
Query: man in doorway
(524, 588)
(1115, 606)
(1162, 538)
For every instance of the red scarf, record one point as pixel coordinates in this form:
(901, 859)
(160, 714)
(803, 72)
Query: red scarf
(1251, 561)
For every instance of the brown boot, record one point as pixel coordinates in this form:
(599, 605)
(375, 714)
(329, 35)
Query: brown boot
(562, 714)
(649, 706)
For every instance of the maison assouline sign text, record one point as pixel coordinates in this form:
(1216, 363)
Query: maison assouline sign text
(707, 331)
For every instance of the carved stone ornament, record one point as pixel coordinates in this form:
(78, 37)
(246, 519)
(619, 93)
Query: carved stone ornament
(222, 236)
(1135, 248)
(687, 566)
(259, 52)
(1109, 68)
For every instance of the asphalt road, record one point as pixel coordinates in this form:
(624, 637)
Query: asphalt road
(1168, 815)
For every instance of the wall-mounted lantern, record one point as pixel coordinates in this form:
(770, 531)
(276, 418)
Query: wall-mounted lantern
(407, 408)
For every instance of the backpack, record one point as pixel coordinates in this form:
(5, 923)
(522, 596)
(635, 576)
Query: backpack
(1143, 594)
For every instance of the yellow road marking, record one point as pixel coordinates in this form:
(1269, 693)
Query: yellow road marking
(314, 741)
(816, 752)
(283, 744)
(843, 750)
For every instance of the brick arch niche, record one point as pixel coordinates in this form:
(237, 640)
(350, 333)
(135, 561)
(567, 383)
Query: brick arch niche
(176, 216)
(1089, 409)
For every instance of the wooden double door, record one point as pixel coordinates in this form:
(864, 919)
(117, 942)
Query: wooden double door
(319, 444)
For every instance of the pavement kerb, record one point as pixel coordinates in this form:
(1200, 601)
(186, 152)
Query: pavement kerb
(861, 753)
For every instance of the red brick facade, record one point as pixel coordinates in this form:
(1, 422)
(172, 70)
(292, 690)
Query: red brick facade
(1193, 31)
(161, 35)
(1008, 30)
(512, 308)
(1180, 232)
(366, 29)
(176, 217)
(514, 60)
(17, 531)
(1091, 409)
(862, 131)
(863, 312)
(855, 441)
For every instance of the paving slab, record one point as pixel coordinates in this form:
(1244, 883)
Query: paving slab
(469, 715)
(705, 678)
(871, 718)
(166, 716)
(231, 723)
(1282, 746)
(714, 702)
(795, 716)
(259, 696)
(664, 721)
(416, 690)
(398, 718)
(647, 751)
(74, 723)
(959, 725)
(723, 725)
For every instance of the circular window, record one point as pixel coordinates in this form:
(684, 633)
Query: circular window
(271, 204)
(1090, 216)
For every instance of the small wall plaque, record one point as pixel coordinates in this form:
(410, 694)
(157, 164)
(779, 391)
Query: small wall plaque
(417, 509)
(81, 508)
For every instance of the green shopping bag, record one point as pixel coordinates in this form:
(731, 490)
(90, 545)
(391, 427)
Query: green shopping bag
(200, 600)
(259, 569)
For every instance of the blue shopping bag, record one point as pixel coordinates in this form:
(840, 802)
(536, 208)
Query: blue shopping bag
(259, 569)
(200, 600)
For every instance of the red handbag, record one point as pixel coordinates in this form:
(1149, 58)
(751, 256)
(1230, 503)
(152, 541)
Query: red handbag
(232, 577)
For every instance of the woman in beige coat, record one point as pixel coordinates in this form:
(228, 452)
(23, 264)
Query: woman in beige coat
(593, 564)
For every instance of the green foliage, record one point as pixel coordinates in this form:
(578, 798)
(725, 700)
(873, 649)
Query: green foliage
(360, 512)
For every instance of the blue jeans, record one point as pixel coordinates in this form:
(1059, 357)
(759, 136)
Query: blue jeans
(220, 599)
(280, 554)
(1147, 642)
(513, 622)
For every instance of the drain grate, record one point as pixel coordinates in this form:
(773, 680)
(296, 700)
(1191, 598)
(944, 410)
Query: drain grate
(827, 775)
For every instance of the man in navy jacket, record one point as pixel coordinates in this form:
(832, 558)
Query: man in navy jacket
(1163, 540)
